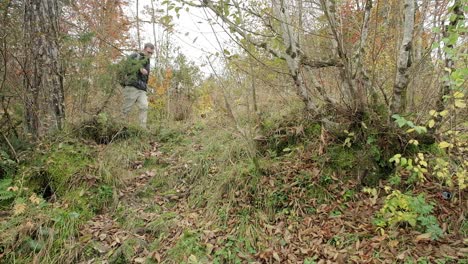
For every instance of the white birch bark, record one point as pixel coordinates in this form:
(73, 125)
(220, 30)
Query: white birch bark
(347, 88)
(292, 54)
(361, 80)
(398, 104)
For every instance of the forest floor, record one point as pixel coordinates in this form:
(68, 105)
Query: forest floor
(310, 218)
(192, 193)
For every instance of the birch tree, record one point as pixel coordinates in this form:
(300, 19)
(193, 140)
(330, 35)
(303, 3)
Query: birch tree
(400, 88)
(292, 53)
(355, 84)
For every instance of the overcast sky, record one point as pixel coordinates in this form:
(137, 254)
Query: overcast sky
(189, 26)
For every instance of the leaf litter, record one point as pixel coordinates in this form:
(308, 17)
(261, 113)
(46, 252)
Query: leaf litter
(336, 232)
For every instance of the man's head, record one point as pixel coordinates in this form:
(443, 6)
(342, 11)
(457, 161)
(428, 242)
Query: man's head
(148, 50)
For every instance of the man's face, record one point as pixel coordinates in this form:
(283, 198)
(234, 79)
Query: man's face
(148, 52)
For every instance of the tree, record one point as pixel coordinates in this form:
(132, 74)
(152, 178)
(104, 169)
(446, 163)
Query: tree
(43, 75)
(404, 60)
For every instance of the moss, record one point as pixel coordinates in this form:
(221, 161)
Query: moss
(341, 158)
(54, 168)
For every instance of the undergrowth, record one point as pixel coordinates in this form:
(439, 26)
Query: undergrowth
(61, 183)
(255, 190)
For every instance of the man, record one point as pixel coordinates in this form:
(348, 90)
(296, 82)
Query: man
(136, 86)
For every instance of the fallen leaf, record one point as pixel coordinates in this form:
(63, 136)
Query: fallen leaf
(34, 199)
(276, 257)
(423, 237)
(156, 256)
(393, 243)
(12, 189)
(139, 260)
(102, 237)
(19, 208)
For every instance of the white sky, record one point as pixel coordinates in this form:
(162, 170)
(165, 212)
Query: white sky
(195, 24)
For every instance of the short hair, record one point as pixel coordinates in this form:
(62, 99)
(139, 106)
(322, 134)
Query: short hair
(149, 45)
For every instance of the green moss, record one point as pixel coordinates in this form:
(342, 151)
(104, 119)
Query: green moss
(56, 168)
(64, 162)
(313, 130)
(341, 158)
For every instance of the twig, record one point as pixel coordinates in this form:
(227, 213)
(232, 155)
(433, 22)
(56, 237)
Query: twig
(11, 147)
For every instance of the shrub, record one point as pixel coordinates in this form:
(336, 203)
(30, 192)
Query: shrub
(404, 209)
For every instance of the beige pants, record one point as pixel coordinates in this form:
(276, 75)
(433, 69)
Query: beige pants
(131, 96)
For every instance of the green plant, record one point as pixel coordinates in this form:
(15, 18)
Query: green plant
(415, 168)
(7, 165)
(404, 209)
(6, 192)
(188, 245)
(350, 138)
(452, 170)
(402, 122)
(228, 253)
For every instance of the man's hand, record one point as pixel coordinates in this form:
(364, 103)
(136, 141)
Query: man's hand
(144, 71)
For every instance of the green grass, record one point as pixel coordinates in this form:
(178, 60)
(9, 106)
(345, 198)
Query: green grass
(83, 179)
(188, 246)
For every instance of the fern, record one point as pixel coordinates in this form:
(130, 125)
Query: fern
(6, 194)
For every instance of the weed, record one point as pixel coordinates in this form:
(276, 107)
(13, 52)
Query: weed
(6, 193)
(187, 245)
(7, 165)
(162, 224)
(401, 209)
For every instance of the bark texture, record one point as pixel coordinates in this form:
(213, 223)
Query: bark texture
(43, 76)
(404, 62)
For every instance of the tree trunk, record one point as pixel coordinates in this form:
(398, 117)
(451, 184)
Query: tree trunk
(138, 23)
(360, 77)
(354, 80)
(398, 104)
(253, 89)
(43, 79)
(292, 54)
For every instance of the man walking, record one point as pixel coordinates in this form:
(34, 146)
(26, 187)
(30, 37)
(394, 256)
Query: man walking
(135, 85)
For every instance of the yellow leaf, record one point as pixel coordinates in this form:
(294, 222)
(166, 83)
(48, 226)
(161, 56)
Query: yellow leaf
(443, 113)
(12, 188)
(421, 156)
(444, 144)
(193, 259)
(431, 123)
(423, 237)
(34, 199)
(460, 103)
(433, 113)
(19, 208)
(458, 95)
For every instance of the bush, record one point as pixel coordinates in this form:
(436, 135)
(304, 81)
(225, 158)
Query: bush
(404, 209)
